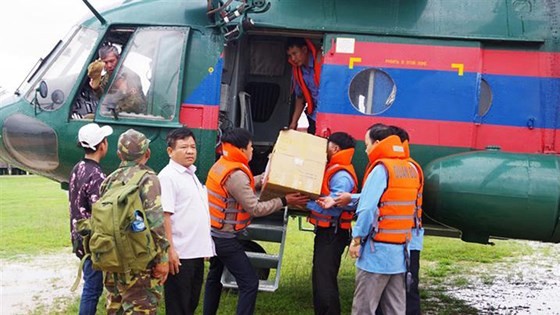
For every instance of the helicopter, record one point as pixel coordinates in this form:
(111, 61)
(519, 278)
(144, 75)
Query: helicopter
(475, 83)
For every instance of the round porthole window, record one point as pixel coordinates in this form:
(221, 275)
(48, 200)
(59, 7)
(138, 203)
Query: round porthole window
(372, 91)
(484, 99)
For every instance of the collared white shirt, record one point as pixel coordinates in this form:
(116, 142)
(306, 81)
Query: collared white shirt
(186, 199)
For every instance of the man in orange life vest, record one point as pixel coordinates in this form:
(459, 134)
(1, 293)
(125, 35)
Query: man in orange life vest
(232, 200)
(416, 242)
(306, 64)
(332, 225)
(386, 215)
(383, 228)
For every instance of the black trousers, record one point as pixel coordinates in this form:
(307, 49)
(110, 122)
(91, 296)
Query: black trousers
(182, 290)
(230, 253)
(327, 252)
(312, 128)
(413, 295)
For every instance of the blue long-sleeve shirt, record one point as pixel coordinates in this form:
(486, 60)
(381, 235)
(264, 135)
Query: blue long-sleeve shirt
(376, 257)
(341, 181)
(417, 240)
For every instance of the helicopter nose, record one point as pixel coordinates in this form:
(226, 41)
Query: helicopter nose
(29, 142)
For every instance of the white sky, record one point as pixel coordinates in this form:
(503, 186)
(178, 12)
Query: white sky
(29, 29)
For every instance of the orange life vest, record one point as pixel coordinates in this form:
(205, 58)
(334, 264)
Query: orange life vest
(418, 210)
(340, 161)
(224, 209)
(298, 76)
(398, 202)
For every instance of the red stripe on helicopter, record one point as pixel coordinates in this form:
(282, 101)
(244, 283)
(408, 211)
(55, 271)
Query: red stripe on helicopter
(199, 116)
(441, 133)
(447, 58)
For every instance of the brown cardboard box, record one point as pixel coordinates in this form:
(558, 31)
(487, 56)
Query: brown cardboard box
(297, 164)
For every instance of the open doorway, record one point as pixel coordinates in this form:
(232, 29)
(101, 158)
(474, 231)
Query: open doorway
(257, 90)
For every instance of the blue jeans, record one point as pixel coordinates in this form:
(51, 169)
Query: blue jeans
(230, 253)
(93, 287)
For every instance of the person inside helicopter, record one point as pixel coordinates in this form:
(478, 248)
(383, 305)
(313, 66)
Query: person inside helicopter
(124, 95)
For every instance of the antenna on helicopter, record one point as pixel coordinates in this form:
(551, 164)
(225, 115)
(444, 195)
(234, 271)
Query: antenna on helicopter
(94, 11)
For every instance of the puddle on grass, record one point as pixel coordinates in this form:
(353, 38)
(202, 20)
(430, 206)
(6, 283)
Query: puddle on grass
(529, 285)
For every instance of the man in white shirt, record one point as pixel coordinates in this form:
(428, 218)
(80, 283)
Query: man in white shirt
(187, 224)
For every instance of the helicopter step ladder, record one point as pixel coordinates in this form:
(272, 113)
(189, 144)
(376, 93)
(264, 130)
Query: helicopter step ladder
(271, 228)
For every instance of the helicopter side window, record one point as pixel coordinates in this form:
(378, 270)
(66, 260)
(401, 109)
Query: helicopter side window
(484, 98)
(372, 91)
(60, 76)
(147, 83)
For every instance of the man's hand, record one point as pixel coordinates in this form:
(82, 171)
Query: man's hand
(293, 126)
(343, 199)
(160, 271)
(355, 251)
(94, 73)
(174, 261)
(326, 202)
(355, 247)
(297, 199)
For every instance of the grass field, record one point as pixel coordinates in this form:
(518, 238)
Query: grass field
(34, 220)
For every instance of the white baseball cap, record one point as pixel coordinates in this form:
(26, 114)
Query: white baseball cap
(91, 135)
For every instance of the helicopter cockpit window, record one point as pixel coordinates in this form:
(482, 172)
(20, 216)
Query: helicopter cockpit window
(147, 83)
(372, 91)
(60, 76)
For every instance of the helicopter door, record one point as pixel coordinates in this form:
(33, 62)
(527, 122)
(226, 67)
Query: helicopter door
(427, 87)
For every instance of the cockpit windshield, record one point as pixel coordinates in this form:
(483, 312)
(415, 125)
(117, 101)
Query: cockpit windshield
(63, 65)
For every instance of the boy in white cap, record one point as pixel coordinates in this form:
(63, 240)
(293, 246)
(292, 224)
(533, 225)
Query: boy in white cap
(85, 180)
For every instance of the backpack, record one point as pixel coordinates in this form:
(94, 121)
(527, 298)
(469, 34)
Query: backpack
(117, 237)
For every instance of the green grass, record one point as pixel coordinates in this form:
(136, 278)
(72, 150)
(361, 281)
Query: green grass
(34, 216)
(34, 220)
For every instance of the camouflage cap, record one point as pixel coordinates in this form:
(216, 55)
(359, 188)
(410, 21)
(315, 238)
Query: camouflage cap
(132, 145)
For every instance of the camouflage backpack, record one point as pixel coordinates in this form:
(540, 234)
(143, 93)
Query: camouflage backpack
(117, 236)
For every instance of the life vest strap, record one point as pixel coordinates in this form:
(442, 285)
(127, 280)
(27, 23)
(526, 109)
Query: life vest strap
(398, 203)
(227, 221)
(227, 199)
(397, 217)
(221, 209)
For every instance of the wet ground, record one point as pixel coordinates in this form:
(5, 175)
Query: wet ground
(527, 285)
(38, 282)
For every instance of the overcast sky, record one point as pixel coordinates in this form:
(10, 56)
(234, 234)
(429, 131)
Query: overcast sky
(30, 28)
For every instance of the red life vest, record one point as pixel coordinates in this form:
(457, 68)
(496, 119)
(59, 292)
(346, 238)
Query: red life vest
(298, 76)
(224, 209)
(340, 161)
(398, 202)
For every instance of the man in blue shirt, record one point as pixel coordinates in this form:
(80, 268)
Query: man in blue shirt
(306, 68)
(379, 240)
(417, 240)
(332, 225)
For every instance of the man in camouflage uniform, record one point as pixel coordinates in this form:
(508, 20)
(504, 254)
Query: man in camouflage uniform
(125, 95)
(141, 292)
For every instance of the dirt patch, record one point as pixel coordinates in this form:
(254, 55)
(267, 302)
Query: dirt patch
(527, 285)
(32, 282)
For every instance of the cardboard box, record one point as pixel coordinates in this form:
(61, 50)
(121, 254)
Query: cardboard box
(297, 164)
